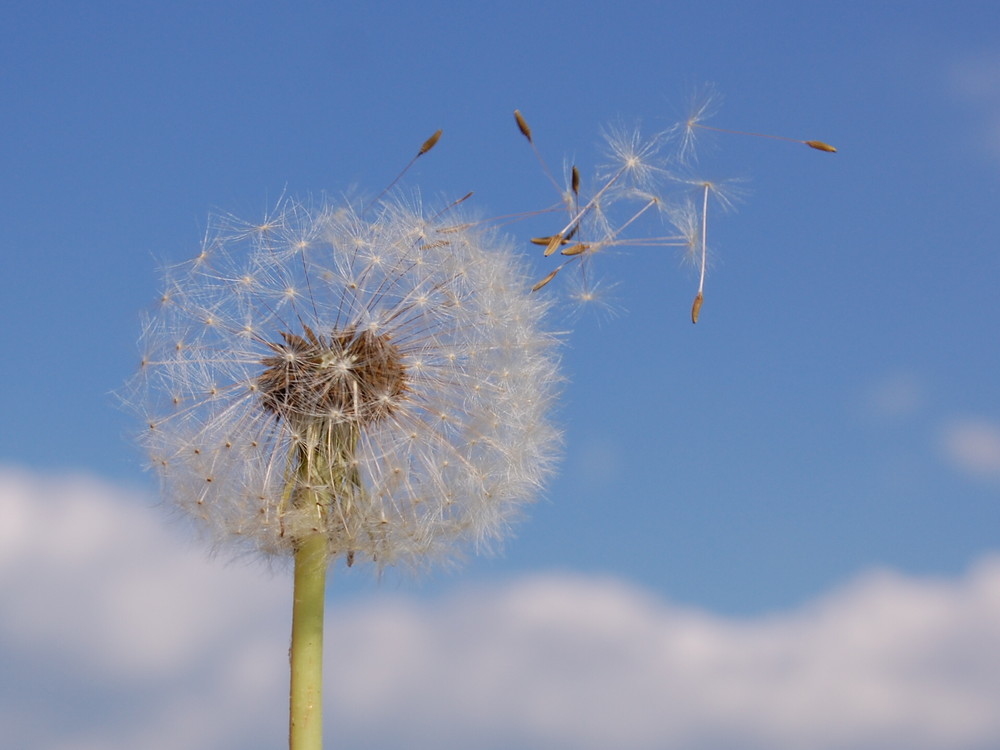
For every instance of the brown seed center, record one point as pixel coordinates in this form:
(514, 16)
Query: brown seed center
(348, 377)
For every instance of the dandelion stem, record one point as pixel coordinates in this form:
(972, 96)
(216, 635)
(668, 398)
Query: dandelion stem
(306, 654)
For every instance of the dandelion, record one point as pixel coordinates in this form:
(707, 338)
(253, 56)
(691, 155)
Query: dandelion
(325, 386)
(382, 382)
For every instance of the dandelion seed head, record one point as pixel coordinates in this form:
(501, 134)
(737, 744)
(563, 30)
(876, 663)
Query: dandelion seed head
(382, 380)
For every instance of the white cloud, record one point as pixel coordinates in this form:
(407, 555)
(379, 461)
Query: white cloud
(114, 634)
(973, 446)
(119, 633)
(886, 662)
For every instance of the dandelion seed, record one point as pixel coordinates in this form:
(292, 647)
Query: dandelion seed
(396, 405)
(820, 146)
(696, 307)
(424, 148)
(455, 228)
(704, 255)
(637, 184)
(545, 280)
(554, 243)
(454, 203)
(543, 240)
(430, 143)
(522, 125)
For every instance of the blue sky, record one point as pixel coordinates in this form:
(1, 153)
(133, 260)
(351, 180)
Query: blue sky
(834, 414)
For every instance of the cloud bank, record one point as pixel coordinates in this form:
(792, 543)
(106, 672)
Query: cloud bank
(116, 632)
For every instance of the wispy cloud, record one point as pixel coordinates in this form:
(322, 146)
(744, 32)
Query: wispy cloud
(115, 633)
(895, 397)
(973, 446)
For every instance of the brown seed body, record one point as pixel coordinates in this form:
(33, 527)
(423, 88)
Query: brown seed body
(522, 125)
(545, 281)
(820, 146)
(554, 244)
(696, 307)
(430, 143)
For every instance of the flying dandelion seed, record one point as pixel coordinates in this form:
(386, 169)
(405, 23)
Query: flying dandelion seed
(634, 199)
(383, 382)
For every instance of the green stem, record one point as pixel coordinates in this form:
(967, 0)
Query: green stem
(306, 654)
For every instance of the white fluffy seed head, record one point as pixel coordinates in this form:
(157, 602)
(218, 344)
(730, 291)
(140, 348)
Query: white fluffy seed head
(384, 381)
